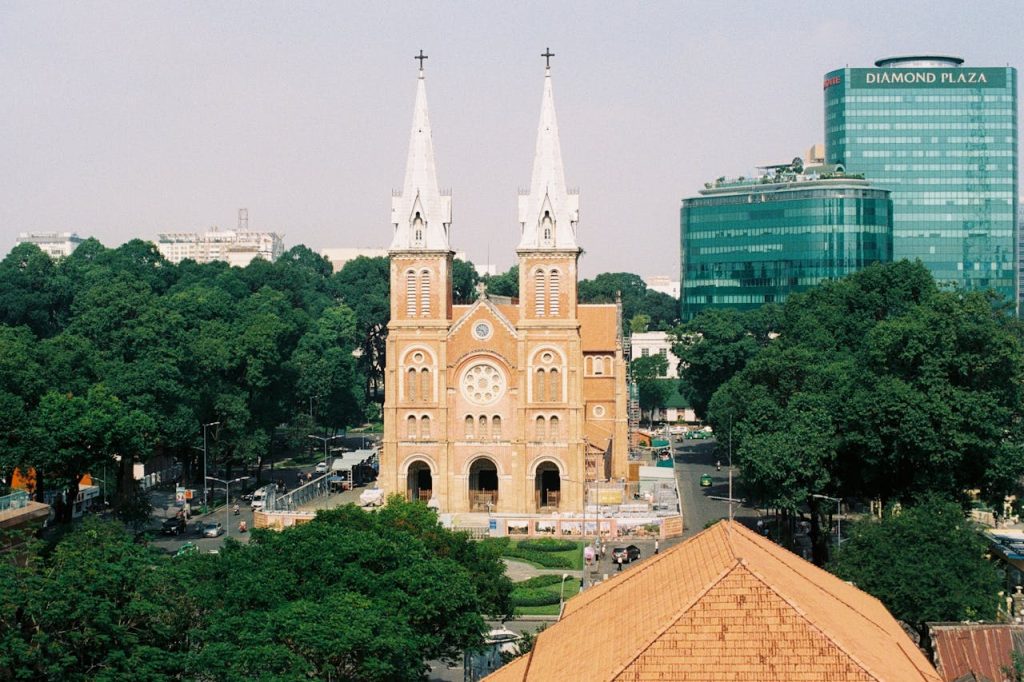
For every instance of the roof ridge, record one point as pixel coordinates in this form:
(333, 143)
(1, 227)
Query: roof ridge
(675, 617)
(647, 565)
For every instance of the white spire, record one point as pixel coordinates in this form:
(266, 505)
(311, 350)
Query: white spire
(420, 214)
(549, 213)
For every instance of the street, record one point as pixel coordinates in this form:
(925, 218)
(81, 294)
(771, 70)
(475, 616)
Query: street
(694, 458)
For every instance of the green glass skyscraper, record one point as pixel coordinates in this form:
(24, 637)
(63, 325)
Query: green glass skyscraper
(753, 241)
(943, 138)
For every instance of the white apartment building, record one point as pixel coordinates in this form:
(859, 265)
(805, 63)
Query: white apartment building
(235, 247)
(655, 343)
(664, 284)
(54, 244)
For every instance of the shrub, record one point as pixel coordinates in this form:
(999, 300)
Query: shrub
(545, 580)
(533, 597)
(545, 559)
(548, 545)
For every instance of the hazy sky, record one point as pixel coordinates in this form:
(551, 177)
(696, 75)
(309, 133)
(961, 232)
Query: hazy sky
(125, 119)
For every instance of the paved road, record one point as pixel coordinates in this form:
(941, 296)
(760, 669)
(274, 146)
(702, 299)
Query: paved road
(692, 459)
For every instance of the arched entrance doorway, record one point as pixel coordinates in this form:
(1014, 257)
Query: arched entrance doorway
(547, 482)
(483, 485)
(419, 481)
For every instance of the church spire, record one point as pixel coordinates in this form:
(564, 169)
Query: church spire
(549, 213)
(420, 215)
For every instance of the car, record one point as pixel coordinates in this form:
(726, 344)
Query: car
(187, 548)
(259, 498)
(211, 529)
(705, 480)
(629, 554)
(321, 468)
(173, 526)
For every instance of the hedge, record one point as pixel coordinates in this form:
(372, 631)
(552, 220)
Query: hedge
(534, 597)
(545, 559)
(548, 545)
(545, 580)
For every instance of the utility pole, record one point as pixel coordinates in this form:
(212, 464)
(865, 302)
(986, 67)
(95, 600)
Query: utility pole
(206, 502)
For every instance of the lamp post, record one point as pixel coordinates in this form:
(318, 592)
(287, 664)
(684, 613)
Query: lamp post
(227, 499)
(839, 518)
(325, 440)
(206, 501)
(561, 592)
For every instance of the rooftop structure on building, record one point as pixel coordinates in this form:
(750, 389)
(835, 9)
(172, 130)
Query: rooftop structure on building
(942, 137)
(53, 244)
(236, 247)
(750, 241)
(727, 604)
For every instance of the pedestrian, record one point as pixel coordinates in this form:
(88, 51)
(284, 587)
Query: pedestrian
(655, 545)
(619, 560)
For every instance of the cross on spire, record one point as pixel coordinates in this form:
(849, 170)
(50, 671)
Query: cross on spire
(421, 57)
(548, 54)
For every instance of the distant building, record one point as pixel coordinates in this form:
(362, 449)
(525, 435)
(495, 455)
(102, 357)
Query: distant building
(340, 256)
(752, 241)
(235, 247)
(942, 137)
(726, 604)
(655, 343)
(54, 244)
(663, 284)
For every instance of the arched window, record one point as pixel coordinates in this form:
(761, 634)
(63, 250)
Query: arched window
(554, 385)
(496, 427)
(411, 427)
(410, 385)
(610, 364)
(410, 293)
(598, 366)
(588, 365)
(482, 427)
(425, 427)
(539, 387)
(426, 390)
(547, 227)
(553, 292)
(470, 423)
(417, 229)
(541, 432)
(425, 292)
(538, 294)
(553, 432)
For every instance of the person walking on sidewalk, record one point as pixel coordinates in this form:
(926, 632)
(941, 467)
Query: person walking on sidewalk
(655, 545)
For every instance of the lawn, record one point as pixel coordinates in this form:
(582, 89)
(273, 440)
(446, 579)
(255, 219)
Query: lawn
(543, 552)
(539, 596)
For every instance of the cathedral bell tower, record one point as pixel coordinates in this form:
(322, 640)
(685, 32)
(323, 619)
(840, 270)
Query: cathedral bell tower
(548, 252)
(415, 389)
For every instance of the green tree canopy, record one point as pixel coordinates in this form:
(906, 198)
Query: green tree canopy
(925, 564)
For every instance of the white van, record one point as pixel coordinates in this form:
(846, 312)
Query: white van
(259, 498)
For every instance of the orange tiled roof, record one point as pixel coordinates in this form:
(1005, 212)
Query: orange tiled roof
(726, 604)
(598, 326)
(510, 311)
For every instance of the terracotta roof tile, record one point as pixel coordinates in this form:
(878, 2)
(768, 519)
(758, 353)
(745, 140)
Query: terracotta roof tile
(598, 326)
(726, 604)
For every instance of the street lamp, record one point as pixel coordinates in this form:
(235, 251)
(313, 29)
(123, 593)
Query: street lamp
(561, 592)
(839, 518)
(227, 499)
(206, 502)
(325, 440)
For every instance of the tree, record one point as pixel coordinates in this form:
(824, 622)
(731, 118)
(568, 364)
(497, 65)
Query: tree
(364, 285)
(464, 279)
(653, 389)
(505, 284)
(955, 583)
(639, 323)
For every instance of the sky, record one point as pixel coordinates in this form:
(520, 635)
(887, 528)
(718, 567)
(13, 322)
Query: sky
(126, 119)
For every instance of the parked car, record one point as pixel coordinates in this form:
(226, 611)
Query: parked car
(629, 554)
(321, 468)
(705, 480)
(212, 529)
(173, 526)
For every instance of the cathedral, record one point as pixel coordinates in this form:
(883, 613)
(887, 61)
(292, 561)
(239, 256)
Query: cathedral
(506, 406)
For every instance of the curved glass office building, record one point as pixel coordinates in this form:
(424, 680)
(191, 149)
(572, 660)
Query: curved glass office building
(755, 241)
(943, 138)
